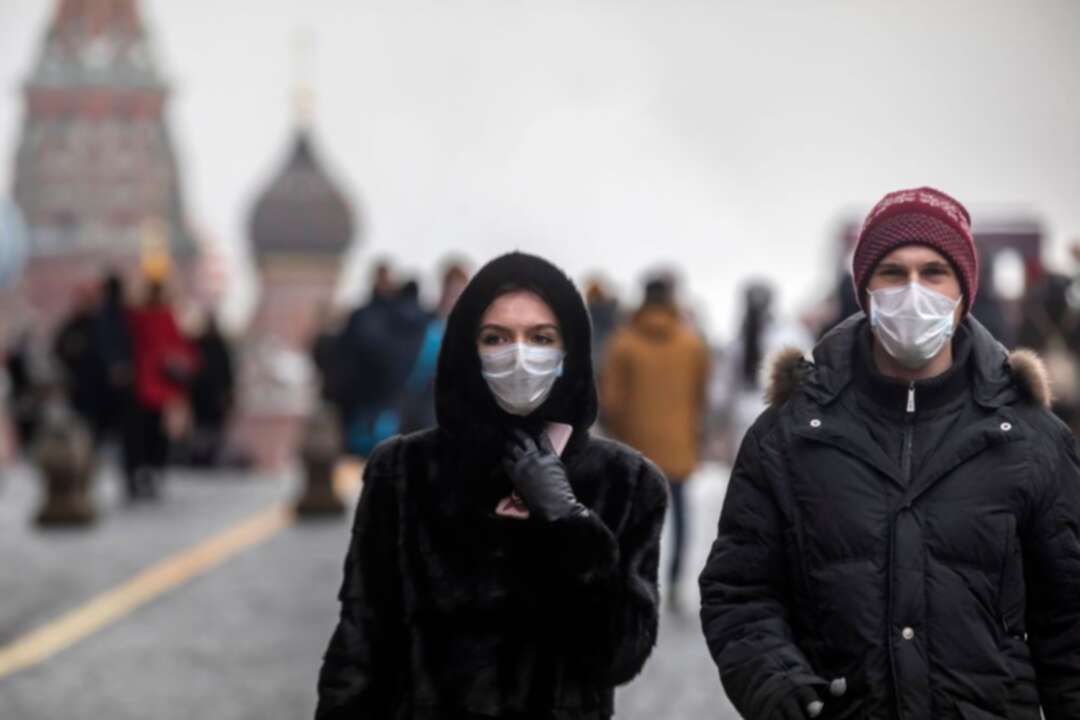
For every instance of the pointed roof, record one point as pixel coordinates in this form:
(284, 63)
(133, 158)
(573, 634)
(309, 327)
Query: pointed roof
(302, 212)
(93, 43)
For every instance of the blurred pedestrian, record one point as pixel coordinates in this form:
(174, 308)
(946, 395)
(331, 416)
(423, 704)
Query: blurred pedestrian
(368, 362)
(82, 373)
(653, 392)
(988, 308)
(1051, 326)
(26, 393)
(326, 356)
(165, 363)
(418, 407)
(213, 391)
(761, 333)
(112, 332)
(604, 313)
(455, 276)
(503, 564)
(899, 536)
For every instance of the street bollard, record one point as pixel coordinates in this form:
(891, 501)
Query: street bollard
(319, 454)
(64, 456)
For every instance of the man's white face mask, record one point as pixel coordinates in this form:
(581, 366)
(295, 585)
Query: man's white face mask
(521, 376)
(913, 323)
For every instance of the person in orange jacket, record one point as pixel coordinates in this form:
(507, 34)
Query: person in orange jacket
(652, 393)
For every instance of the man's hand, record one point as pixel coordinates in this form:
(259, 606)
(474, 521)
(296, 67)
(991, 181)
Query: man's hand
(539, 477)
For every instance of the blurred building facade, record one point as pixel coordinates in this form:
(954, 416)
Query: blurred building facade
(95, 170)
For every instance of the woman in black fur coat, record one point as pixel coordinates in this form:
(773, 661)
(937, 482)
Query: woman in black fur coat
(503, 564)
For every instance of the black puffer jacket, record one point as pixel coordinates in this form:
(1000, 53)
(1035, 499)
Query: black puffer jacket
(936, 571)
(449, 611)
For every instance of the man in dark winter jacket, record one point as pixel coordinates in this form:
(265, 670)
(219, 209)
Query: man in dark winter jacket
(901, 534)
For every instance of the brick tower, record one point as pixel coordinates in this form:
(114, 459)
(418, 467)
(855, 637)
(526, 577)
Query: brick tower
(96, 175)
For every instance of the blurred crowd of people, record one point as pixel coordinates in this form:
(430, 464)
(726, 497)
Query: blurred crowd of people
(129, 376)
(376, 364)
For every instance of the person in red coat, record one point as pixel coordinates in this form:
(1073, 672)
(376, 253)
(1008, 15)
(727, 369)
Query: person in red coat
(164, 362)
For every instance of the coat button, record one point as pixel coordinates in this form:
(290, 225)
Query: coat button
(815, 423)
(907, 633)
(1006, 426)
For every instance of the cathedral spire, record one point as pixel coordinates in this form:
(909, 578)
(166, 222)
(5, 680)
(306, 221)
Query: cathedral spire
(304, 93)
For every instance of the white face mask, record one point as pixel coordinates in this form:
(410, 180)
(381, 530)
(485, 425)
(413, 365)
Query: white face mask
(521, 376)
(913, 323)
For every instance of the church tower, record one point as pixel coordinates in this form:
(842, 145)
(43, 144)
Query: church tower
(300, 229)
(96, 175)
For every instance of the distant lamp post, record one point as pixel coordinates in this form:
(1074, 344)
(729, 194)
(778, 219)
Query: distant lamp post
(65, 458)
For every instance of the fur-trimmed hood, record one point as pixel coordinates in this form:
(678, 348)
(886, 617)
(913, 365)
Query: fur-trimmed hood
(1000, 376)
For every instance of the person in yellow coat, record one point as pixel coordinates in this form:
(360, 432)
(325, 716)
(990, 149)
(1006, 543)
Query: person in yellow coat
(653, 393)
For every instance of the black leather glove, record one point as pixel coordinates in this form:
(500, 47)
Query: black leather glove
(539, 478)
(800, 704)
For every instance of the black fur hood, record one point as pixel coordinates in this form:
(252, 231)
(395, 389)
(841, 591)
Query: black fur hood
(465, 407)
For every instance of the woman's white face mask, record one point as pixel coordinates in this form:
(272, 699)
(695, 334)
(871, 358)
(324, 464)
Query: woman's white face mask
(521, 376)
(912, 322)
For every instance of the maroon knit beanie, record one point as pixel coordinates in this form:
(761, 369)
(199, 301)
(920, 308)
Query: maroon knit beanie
(921, 216)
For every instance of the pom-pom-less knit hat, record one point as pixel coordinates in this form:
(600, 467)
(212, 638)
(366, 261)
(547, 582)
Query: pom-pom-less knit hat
(920, 216)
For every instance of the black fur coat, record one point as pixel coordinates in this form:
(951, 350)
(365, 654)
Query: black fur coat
(449, 611)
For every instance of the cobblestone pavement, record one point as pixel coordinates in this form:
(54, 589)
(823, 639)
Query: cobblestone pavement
(243, 641)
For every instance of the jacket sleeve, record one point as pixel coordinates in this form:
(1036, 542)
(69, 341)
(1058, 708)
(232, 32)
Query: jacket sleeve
(359, 667)
(1052, 567)
(605, 584)
(745, 595)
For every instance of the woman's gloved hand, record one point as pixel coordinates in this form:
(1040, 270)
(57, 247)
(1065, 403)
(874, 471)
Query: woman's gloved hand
(539, 478)
(801, 704)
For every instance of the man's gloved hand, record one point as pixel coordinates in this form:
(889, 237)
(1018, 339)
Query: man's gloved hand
(800, 704)
(539, 477)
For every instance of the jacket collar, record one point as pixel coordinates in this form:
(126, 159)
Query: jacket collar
(891, 395)
(834, 356)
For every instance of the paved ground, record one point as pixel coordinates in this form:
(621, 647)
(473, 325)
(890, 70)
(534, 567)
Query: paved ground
(243, 641)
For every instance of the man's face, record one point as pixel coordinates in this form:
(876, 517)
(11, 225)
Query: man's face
(920, 264)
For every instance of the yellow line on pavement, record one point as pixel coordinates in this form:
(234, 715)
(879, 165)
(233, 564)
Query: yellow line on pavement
(39, 645)
(60, 634)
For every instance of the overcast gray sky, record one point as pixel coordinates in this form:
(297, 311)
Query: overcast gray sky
(614, 134)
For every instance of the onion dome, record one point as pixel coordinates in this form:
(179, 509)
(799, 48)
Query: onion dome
(302, 212)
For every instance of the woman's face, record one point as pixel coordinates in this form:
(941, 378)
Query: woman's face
(519, 316)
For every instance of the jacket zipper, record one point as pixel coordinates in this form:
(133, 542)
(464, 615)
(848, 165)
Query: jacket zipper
(909, 432)
(905, 470)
